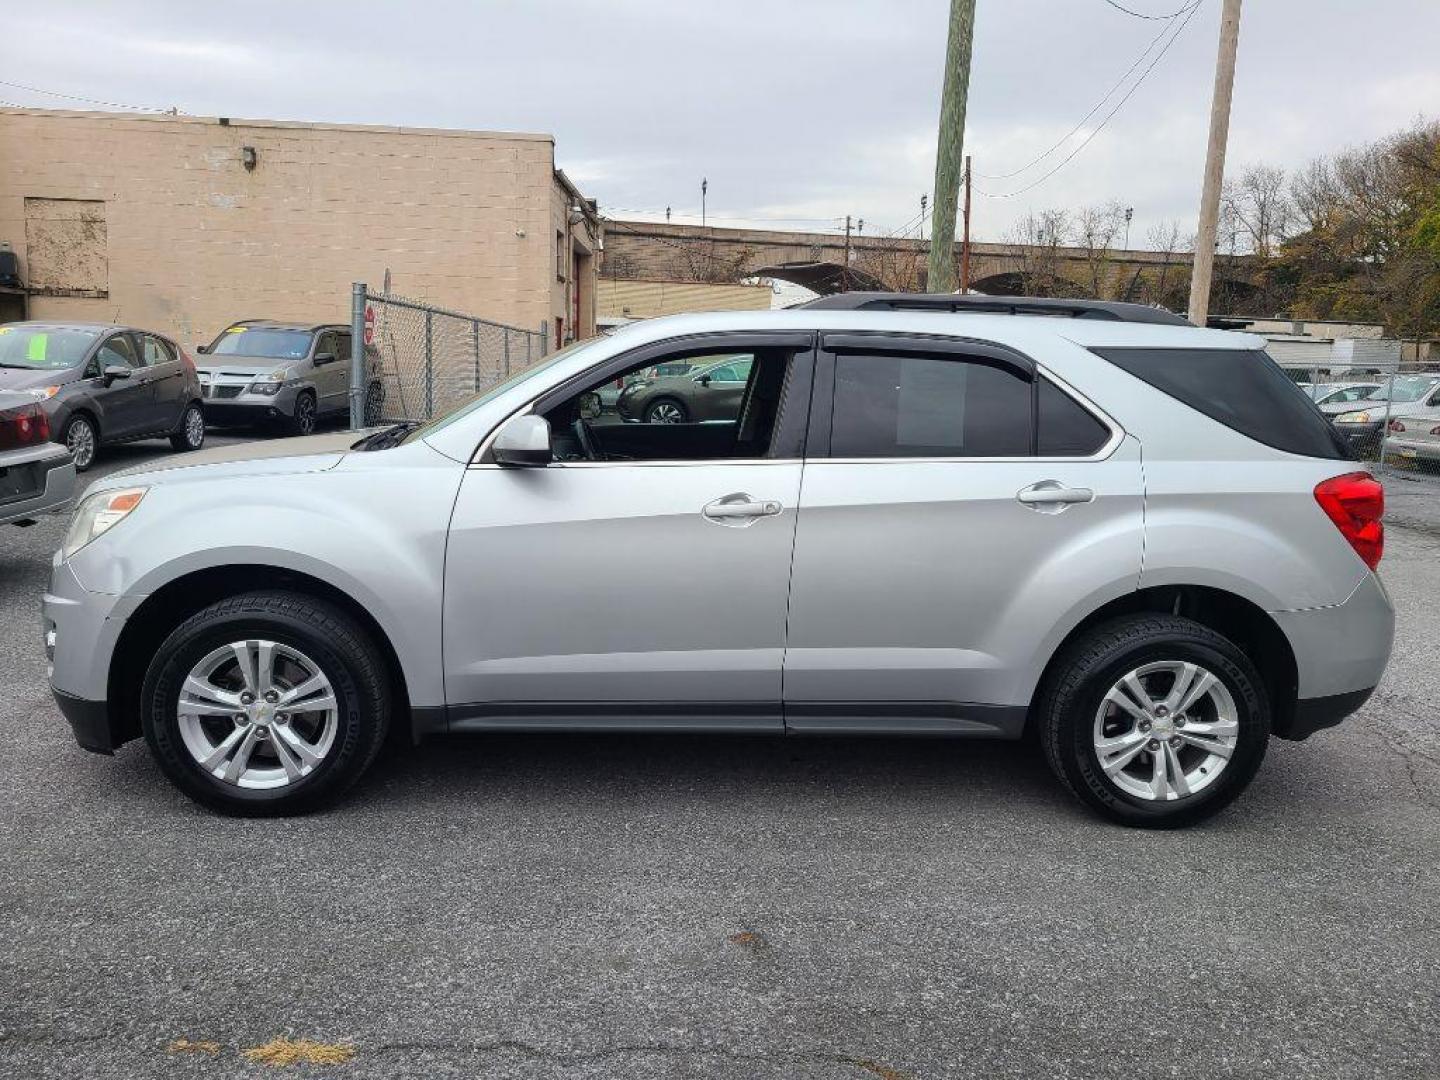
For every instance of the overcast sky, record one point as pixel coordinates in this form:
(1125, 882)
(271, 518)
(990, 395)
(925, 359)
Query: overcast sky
(793, 109)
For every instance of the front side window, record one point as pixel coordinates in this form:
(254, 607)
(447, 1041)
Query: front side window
(923, 405)
(686, 407)
(119, 350)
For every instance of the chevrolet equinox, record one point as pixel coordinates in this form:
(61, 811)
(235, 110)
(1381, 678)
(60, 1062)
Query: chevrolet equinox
(1135, 540)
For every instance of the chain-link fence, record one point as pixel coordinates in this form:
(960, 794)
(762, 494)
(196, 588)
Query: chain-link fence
(430, 359)
(1390, 417)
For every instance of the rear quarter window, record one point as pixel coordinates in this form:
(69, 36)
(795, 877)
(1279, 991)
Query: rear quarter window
(1241, 388)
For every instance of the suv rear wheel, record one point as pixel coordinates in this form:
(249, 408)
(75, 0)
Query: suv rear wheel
(266, 703)
(1154, 720)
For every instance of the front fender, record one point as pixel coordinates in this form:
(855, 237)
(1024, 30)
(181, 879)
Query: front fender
(376, 534)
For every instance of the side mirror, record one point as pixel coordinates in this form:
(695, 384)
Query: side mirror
(202, 348)
(113, 372)
(324, 358)
(524, 443)
(704, 380)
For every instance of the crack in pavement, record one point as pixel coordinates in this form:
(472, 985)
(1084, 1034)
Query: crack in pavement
(871, 1065)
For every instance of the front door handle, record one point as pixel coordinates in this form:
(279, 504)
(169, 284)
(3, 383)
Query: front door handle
(739, 508)
(1051, 496)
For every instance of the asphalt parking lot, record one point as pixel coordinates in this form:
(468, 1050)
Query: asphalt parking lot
(726, 907)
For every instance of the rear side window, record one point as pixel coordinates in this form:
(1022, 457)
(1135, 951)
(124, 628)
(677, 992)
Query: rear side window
(1241, 388)
(918, 405)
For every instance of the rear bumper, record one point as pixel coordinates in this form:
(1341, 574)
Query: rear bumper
(52, 473)
(1421, 449)
(1340, 654)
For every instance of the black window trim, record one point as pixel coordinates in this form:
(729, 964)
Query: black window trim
(822, 410)
(787, 444)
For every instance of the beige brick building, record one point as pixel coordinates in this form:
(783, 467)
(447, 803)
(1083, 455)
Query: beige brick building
(184, 224)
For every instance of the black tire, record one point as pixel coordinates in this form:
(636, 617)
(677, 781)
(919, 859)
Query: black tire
(1075, 689)
(664, 403)
(374, 404)
(191, 435)
(82, 438)
(302, 420)
(343, 651)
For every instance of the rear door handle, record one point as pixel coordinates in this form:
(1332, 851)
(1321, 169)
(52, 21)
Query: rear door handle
(739, 508)
(1051, 496)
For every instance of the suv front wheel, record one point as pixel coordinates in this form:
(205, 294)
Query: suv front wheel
(266, 703)
(1154, 720)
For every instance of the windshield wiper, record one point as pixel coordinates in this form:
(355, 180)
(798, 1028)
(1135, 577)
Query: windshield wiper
(388, 437)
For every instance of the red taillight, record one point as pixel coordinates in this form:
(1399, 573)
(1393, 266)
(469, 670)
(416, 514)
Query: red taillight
(1396, 426)
(1355, 502)
(24, 426)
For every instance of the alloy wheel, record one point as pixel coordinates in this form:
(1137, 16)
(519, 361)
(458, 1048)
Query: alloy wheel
(305, 414)
(257, 714)
(80, 441)
(1166, 730)
(664, 412)
(194, 427)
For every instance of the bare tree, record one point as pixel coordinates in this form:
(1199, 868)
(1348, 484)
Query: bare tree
(1096, 228)
(1035, 242)
(1257, 210)
(896, 262)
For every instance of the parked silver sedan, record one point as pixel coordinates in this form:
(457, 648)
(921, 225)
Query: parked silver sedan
(1414, 438)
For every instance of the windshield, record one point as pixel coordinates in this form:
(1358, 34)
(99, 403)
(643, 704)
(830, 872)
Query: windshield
(1411, 389)
(267, 342)
(490, 393)
(44, 348)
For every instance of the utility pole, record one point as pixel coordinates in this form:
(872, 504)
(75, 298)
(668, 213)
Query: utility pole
(950, 145)
(1204, 267)
(965, 247)
(845, 273)
(704, 187)
(1129, 213)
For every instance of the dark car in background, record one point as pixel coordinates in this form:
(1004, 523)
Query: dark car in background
(100, 383)
(260, 371)
(710, 391)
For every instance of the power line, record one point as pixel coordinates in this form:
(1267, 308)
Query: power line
(1108, 116)
(78, 97)
(1096, 107)
(1142, 15)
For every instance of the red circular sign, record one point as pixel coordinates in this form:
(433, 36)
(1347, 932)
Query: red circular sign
(369, 325)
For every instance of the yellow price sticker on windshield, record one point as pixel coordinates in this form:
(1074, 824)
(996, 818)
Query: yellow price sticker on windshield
(4, 329)
(236, 330)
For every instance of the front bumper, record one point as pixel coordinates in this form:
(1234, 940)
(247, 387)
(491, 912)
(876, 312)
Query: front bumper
(90, 720)
(248, 408)
(1362, 436)
(81, 629)
(49, 482)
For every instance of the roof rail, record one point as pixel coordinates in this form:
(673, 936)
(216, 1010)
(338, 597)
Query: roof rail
(1111, 310)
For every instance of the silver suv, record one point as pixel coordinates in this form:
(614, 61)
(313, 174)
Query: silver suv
(258, 371)
(1135, 539)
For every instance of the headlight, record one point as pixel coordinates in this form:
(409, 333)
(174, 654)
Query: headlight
(1353, 418)
(99, 513)
(268, 387)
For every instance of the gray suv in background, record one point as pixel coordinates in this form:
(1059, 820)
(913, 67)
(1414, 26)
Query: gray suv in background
(99, 383)
(1135, 539)
(259, 371)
